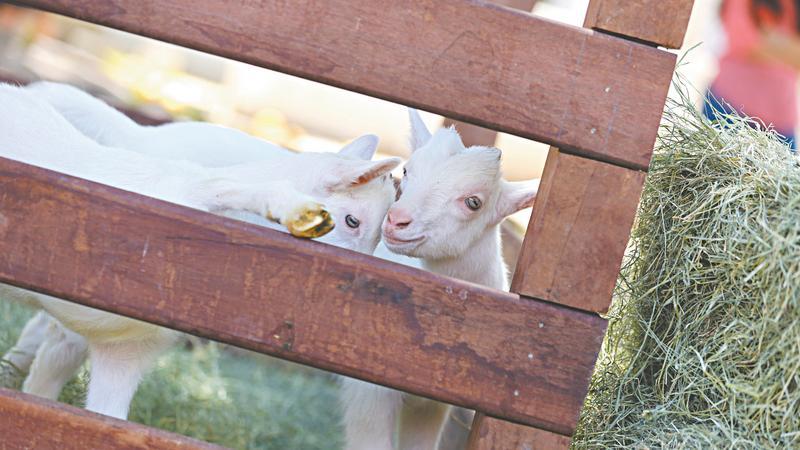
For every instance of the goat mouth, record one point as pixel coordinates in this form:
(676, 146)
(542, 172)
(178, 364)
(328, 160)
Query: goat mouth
(397, 241)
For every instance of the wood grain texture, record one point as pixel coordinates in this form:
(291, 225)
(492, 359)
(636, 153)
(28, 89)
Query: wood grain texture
(661, 22)
(493, 434)
(578, 232)
(586, 92)
(29, 422)
(522, 5)
(299, 300)
(473, 134)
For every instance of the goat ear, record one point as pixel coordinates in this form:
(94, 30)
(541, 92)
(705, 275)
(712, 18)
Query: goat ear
(515, 196)
(350, 173)
(361, 148)
(419, 132)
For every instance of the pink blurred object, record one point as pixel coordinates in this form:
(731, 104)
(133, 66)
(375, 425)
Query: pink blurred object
(763, 89)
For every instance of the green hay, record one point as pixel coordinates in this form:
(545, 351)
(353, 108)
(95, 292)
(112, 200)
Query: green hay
(703, 345)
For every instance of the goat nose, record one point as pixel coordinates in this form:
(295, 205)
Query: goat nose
(398, 218)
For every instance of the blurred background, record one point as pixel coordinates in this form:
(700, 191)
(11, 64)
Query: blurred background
(204, 389)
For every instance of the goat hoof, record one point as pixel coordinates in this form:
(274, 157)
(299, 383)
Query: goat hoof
(310, 221)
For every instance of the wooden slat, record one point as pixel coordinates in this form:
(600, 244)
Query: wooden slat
(28, 422)
(493, 434)
(589, 93)
(522, 5)
(578, 232)
(303, 301)
(473, 134)
(662, 22)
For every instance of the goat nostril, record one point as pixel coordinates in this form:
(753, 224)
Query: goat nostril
(398, 219)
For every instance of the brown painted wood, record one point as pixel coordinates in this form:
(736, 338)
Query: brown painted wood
(28, 422)
(662, 22)
(522, 5)
(296, 299)
(586, 92)
(473, 134)
(578, 232)
(493, 434)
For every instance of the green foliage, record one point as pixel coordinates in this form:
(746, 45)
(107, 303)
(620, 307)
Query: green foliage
(219, 394)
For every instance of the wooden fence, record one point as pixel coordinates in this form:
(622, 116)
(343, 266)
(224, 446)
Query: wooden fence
(596, 94)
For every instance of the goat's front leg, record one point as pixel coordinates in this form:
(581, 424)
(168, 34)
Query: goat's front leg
(61, 355)
(421, 423)
(21, 355)
(370, 414)
(277, 201)
(117, 369)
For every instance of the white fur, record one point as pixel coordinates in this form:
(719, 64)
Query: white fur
(280, 185)
(330, 177)
(450, 239)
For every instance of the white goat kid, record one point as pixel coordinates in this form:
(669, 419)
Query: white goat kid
(452, 201)
(122, 349)
(209, 145)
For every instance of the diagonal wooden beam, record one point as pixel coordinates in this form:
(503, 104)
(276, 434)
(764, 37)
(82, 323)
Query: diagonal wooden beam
(28, 422)
(526, 361)
(660, 22)
(588, 93)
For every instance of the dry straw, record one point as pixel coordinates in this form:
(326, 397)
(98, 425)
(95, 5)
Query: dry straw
(703, 346)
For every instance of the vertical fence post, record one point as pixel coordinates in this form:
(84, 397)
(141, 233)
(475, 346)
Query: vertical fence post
(582, 218)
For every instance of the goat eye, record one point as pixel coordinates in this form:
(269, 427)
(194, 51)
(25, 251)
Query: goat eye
(351, 221)
(404, 171)
(473, 203)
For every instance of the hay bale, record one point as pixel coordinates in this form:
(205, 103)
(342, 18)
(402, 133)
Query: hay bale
(703, 346)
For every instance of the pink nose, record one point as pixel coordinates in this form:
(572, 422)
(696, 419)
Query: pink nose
(398, 218)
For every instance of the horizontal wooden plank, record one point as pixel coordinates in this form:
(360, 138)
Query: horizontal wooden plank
(662, 22)
(586, 92)
(28, 422)
(578, 232)
(494, 434)
(300, 300)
